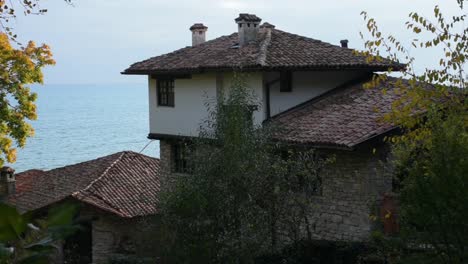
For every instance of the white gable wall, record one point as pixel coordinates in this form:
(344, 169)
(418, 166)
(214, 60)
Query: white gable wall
(305, 86)
(191, 96)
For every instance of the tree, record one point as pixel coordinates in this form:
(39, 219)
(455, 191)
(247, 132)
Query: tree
(430, 153)
(245, 196)
(434, 196)
(442, 86)
(20, 66)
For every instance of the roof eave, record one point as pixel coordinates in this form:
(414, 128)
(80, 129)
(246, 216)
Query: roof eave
(156, 136)
(317, 145)
(389, 131)
(266, 68)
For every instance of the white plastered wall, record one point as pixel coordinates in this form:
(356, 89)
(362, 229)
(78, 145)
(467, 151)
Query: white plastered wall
(191, 96)
(305, 86)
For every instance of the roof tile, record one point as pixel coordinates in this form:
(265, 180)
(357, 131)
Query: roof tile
(343, 117)
(284, 51)
(124, 183)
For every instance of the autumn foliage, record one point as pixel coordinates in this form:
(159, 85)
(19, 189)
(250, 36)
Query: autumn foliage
(19, 67)
(442, 85)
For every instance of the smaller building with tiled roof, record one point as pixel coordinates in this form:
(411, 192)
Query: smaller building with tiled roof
(125, 184)
(117, 191)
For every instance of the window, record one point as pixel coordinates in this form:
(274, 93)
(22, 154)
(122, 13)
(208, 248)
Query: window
(285, 82)
(165, 92)
(181, 162)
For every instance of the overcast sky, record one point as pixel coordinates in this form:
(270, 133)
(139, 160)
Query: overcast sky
(94, 40)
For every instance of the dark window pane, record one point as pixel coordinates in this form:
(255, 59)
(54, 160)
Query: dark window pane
(180, 156)
(285, 82)
(165, 92)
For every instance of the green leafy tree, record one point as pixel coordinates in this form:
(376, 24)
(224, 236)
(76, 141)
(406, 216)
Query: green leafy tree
(245, 195)
(430, 154)
(18, 68)
(434, 196)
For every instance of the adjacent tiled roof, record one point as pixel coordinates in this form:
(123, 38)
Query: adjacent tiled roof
(124, 183)
(344, 117)
(273, 49)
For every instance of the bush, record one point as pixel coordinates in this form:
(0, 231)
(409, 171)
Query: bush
(318, 252)
(434, 196)
(129, 259)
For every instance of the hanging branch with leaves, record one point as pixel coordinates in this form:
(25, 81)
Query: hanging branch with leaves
(443, 85)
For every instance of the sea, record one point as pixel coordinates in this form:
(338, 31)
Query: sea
(77, 123)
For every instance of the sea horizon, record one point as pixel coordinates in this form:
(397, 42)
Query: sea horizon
(80, 122)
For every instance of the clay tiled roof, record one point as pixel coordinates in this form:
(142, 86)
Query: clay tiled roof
(273, 50)
(124, 183)
(344, 117)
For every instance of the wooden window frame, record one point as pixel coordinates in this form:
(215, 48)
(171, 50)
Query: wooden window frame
(180, 159)
(165, 92)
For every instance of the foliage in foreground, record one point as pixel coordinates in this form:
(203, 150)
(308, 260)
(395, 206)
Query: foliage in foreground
(25, 240)
(434, 197)
(430, 154)
(18, 68)
(129, 259)
(245, 195)
(442, 86)
(319, 252)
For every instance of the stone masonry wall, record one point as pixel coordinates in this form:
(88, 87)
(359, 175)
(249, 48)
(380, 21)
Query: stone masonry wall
(114, 235)
(352, 189)
(165, 156)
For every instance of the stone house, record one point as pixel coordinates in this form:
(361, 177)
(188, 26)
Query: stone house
(312, 90)
(118, 192)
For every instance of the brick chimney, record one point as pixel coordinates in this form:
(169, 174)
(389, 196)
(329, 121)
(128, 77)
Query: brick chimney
(344, 43)
(7, 181)
(267, 26)
(248, 25)
(198, 33)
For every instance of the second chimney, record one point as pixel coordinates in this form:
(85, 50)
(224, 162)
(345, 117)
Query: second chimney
(198, 33)
(248, 25)
(7, 182)
(344, 43)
